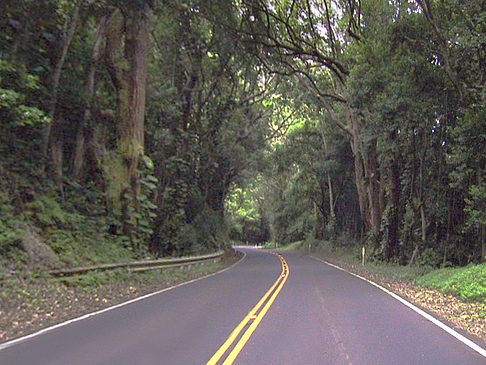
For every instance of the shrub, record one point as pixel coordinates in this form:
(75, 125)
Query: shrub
(468, 283)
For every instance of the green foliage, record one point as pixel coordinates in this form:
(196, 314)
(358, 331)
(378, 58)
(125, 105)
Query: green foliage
(476, 205)
(206, 233)
(146, 209)
(244, 214)
(16, 89)
(84, 246)
(294, 246)
(468, 283)
(246, 136)
(10, 234)
(428, 258)
(90, 281)
(207, 121)
(46, 211)
(352, 255)
(241, 202)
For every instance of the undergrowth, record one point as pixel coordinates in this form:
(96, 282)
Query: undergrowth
(74, 226)
(468, 283)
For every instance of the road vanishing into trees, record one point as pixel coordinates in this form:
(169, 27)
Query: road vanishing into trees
(288, 309)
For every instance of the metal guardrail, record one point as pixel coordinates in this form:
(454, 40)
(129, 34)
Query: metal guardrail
(139, 266)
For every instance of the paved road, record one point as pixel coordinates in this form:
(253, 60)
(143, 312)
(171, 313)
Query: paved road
(321, 316)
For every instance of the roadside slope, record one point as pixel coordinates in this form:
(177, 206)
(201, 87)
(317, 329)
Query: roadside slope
(32, 304)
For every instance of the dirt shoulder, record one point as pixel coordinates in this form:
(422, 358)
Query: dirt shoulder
(451, 310)
(27, 306)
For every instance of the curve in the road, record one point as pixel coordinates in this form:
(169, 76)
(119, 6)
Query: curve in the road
(321, 316)
(251, 320)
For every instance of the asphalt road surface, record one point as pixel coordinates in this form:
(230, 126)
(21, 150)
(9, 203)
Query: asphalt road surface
(320, 315)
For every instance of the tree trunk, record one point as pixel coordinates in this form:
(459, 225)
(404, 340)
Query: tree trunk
(332, 213)
(129, 77)
(373, 187)
(79, 148)
(126, 53)
(482, 227)
(351, 131)
(365, 167)
(359, 171)
(367, 178)
(382, 184)
(423, 218)
(18, 40)
(68, 32)
(57, 153)
(131, 127)
(483, 242)
(392, 241)
(319, 231)
(332, 204)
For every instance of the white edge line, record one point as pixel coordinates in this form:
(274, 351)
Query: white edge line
(424, 314)
(16, 341)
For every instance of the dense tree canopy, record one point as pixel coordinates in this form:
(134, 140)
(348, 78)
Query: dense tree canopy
(181, 124)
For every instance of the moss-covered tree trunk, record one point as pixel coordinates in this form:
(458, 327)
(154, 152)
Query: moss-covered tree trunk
(131, 127)
(127, 51)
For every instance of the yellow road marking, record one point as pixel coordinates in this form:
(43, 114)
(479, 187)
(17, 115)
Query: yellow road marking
(246, 336)
(252, 315)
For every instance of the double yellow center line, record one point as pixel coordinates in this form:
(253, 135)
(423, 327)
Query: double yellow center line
(251, 321)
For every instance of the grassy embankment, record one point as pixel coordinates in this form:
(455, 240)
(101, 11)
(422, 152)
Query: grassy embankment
(51, 234)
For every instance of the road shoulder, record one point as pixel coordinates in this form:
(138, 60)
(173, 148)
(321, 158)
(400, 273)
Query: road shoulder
(462, 316)
(30, 306)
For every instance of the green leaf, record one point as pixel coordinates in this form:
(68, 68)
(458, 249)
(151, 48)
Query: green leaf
(149, 185)
(148, 162)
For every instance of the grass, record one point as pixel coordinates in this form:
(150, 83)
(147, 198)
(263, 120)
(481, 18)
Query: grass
(294, 246)
(468, 283)
(78, 248)
(103, 278)
(269, 245)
